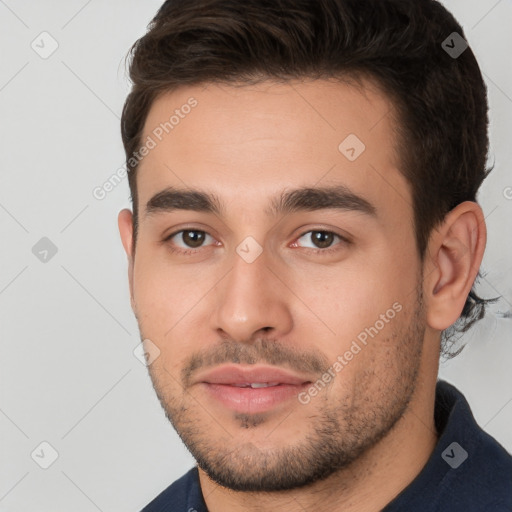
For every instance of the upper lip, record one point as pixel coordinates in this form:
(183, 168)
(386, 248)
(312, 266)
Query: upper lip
(237, 374)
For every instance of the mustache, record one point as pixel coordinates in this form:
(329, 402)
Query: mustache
(260, 351)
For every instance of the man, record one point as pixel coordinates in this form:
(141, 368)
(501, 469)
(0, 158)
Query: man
(304, 240)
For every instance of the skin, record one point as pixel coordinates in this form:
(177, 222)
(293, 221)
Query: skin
(373, 424)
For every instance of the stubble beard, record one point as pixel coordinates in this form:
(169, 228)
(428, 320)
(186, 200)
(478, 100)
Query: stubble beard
(338, 433)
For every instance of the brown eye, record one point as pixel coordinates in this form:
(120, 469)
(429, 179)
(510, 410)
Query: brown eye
(322, 241)
(193, 238)
(184, 239)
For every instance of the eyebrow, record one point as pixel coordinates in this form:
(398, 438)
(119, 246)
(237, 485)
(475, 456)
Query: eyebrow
(336, 197)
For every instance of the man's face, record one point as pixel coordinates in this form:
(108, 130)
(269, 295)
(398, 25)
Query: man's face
(321, 300)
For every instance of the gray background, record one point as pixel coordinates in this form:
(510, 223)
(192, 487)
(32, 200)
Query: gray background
(68, 373)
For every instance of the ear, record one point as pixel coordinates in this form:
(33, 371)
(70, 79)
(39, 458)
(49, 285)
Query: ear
(125, 224)
(455, 252)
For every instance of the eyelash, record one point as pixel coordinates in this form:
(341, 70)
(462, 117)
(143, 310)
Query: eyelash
(187, 252)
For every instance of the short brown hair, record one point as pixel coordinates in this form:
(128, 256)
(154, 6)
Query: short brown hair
(441, 101)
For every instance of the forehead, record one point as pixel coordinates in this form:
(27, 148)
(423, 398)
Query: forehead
(244, 143)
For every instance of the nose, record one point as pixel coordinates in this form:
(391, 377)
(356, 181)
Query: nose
(252, 301)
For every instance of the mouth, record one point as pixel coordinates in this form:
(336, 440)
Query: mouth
(250, 389)
(257, 385)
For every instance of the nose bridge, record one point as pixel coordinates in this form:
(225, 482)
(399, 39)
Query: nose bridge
(251, 297)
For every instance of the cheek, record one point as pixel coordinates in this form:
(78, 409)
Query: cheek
(168, 301)
(355, 300)
(159, 294)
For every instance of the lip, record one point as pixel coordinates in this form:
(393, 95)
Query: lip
(242, 374)
(222, 384)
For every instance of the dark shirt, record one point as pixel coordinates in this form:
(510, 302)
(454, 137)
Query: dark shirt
(468, 471)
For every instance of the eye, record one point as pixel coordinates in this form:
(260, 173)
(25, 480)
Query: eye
(189, 241)
(189, 238)
(322, 240)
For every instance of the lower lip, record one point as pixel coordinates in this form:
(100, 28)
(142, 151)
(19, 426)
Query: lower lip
(253, 400)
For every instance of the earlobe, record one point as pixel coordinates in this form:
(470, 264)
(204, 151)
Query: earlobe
(456, 251)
